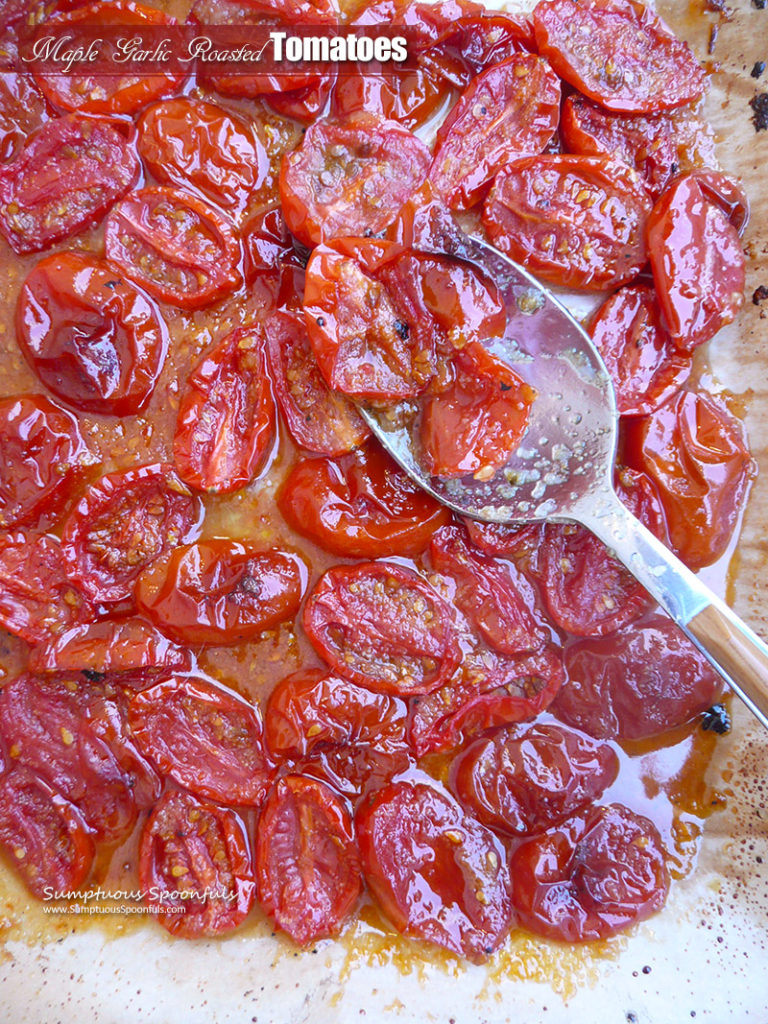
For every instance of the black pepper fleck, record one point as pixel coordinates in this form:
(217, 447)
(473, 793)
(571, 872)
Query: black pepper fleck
(757, 68)
(716, 719)
(401, 329)
(759, 104)
(759, 4)
(760, 294)
(94, 677)
(320, 321)
(646, 969)
(505, 387)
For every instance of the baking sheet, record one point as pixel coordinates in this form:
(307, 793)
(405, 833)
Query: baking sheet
(704, 958)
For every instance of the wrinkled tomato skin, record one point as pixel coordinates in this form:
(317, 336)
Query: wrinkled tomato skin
(66, 177)
(618, 53)
(38, 602)
(92, 338)
(122, 524)
(378, 166)
(199, 146)
(178, 248)
(489, 690)
(307, 865)
(361, 505)
(314, 708)
(110, 646)
(211, 843)
(410, 98)
(697, 262)
(360, 337)
(642, 681)
(266, 243)
(221, 591)
(591, 877)
(415, 839)
(696, 455)
(496, 598)
(509, 111)
(205, 737)
(319, 419)
(521, 781)
(725, 192)
(226, 421)
(43, 459)
(44, 835)
(99, 93)
(22, 108)
(645, 365)
(598, 242)
(476, 424)
(382, 626)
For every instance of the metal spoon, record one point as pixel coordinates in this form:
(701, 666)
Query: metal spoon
(563, 470)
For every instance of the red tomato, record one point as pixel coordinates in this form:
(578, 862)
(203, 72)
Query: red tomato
(307, 864)
(175, 246)
(696, 454)
(69, 173)
(316, 709)
(205, 737)
(436, 872)
(226, 421)
(43, 834)
(490, 689)
(577, 221)
(482, 40)
(98, 92)
(107, 720)
(409, 96)
(510, 110)
(444, 297)
(644, 363)
(350, 177)
(110, 646)
(22, 106)
(519, 781)
(642, 681)
(425, 222)
(383, 627)
(37, 600)
(195, 855)
(496, 598)
(318, 418)
(221, 591)
(300, 12)
(646, 142)
(361, 505)
(360, 337)
(201, 147)
(591, 877)
(587, 591)
(476, 424)
(305, 104)
(619, 53)
(697, 262)
(44, 726)
(503, 541)
(267, 242)
(43, 458)
(725, 192)
(122, 524)
(107, 360)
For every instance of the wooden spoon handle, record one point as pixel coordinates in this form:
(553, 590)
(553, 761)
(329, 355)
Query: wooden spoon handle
(736, 651)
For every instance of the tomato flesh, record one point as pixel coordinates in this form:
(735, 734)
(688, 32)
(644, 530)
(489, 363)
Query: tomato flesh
(437, 873)
(96, 341)
(307, 864)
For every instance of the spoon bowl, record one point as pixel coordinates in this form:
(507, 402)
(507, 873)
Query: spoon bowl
(562, 470)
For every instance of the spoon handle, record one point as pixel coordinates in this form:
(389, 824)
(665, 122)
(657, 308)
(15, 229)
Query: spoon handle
(738, 654)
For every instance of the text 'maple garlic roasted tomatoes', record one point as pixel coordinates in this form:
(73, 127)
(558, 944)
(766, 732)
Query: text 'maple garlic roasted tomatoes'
(66, 177)
(350, 177)
(436, 872)
(122, 524)
(226, 419)
(196, 855)
(174, 245)
(43, 459)
(100, 93)
(220, 591)
(93, 339)
(575, 221)
(361, 505)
